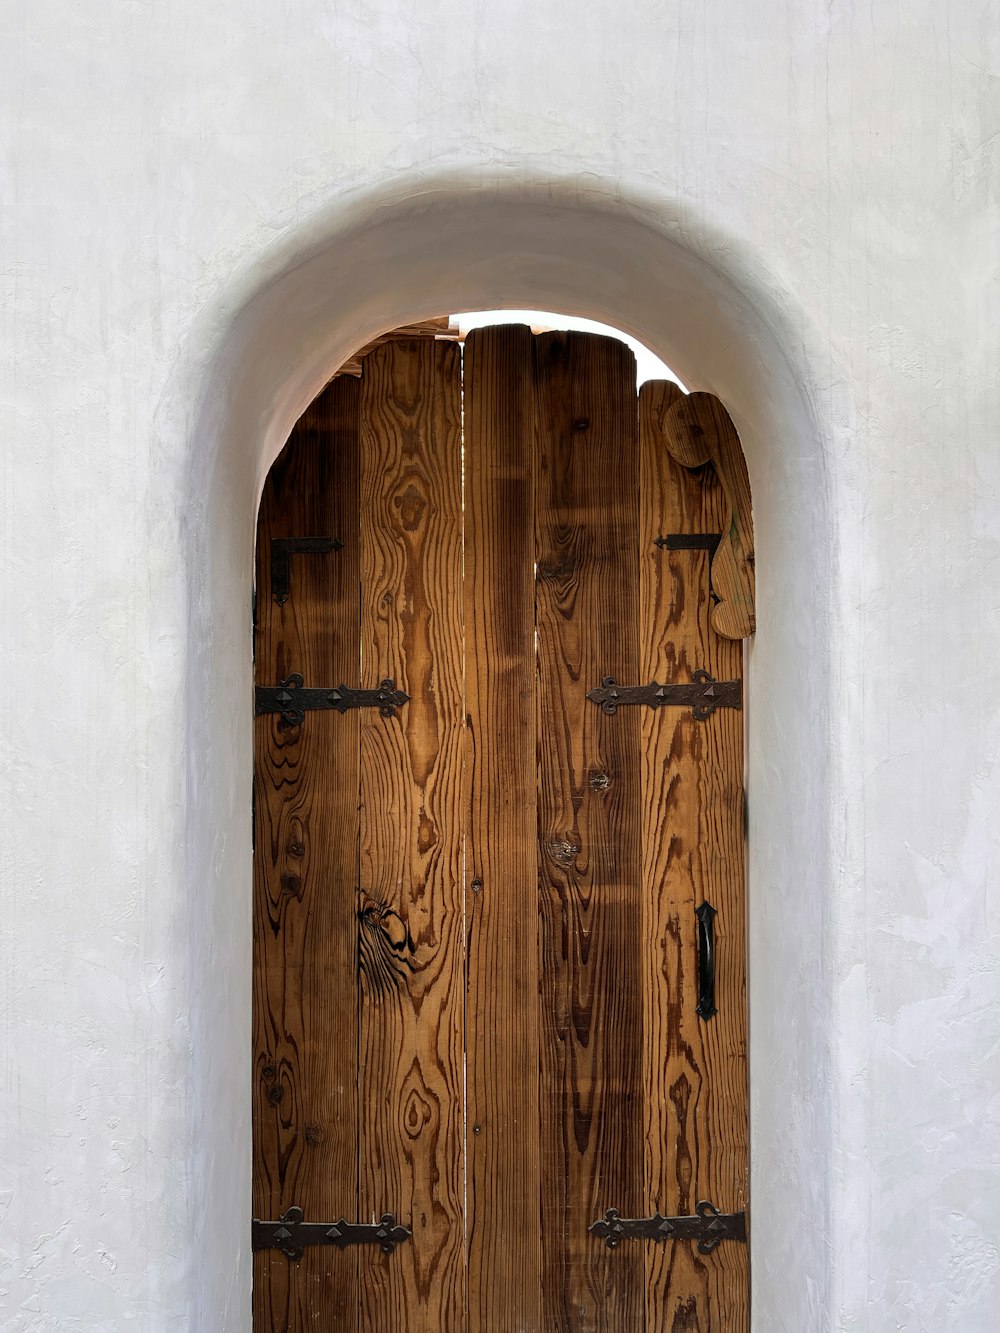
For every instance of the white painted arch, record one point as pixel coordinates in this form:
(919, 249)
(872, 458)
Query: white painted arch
(716, 315)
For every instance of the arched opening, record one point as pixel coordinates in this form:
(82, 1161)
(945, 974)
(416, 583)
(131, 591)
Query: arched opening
(383, 262)
(499, 900)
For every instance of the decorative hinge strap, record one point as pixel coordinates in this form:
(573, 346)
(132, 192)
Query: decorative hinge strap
(704, 695)
(282, 550)
(708, 1227)
(690, 541)
(290, 1234)
(292, 701)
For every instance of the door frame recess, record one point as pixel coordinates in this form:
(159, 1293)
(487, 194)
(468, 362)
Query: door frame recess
(703, 300)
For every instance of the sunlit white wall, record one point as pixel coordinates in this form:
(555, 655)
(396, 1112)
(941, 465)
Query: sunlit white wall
(836, 166)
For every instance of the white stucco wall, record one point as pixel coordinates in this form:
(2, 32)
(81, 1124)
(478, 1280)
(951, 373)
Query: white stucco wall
(203, 205)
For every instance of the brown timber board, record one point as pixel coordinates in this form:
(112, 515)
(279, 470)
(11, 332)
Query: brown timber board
(306, 783)
(697, 429)
(410, 910)
(504, 1244)
(694, 1070)
(588, 819)
(475, 949)
(438, 327)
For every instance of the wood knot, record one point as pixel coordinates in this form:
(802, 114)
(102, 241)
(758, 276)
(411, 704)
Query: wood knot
(599, 781)
(562, 851)
(411, 505)
(291, 885)
(384, 945)
(559, 567)
(417, 1113)
(426, 834)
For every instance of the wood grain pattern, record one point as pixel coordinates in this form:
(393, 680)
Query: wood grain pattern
(697, 429)
(474, 932)
(410, 910)
(504, 1245)
(694, 1071)
(305, 859)
(438, 327)
(589, 862)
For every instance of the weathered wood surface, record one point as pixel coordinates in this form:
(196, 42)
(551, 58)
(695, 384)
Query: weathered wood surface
(504, 1188)
(694, 1082)
(439, 327)
(697, 429)
(588, 821)
(305, 857)
(475, 944)
(411, 898)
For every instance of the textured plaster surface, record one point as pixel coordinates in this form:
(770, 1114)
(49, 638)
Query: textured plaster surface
(203, 206)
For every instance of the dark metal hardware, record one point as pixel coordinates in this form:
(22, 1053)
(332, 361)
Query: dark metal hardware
(282, 550)
(705, 694)
(708, 1227)
(293, 702)
(690, 541)
(706, 915)
(290, 1234)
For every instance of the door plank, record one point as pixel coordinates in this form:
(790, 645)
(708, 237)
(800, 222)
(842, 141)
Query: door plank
(504, 1249)
(589, 1079)
(692, 778)
(589, 857)
(410, 910)
(305, 872)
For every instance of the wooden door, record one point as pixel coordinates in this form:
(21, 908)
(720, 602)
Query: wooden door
(478, 959)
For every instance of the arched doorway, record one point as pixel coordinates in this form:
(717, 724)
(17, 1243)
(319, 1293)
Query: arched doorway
(695, 295)
(500, 917)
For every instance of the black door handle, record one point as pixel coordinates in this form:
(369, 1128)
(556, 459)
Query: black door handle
(706, 915)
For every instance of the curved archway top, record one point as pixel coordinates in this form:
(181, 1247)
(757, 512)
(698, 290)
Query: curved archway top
(375, 260)
(712, 310)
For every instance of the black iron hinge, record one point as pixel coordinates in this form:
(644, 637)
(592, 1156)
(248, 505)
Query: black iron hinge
(708, 1227)
(690, 541)
(293, 701)
(282, 550)
(704, 694)
(291, 1234)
